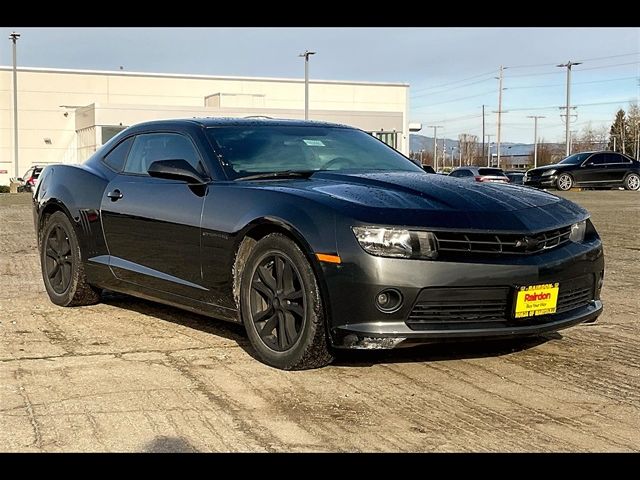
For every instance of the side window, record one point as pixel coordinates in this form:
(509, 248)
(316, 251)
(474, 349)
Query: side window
(467, 173)
(151, 147)
(597, 159)
(455, 174)
(116, 157)
(616, 158)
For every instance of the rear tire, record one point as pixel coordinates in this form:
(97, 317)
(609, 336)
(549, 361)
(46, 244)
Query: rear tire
(564, 182)
(632, 182)
(61, 263)
(281, 306)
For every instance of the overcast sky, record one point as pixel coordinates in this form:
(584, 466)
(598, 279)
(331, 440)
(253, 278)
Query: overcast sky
(436, 62)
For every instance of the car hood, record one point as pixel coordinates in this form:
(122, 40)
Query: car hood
(410, 198)
(555, 166)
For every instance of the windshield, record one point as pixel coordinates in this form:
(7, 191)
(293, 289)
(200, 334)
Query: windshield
(249, 150)
(576, 158)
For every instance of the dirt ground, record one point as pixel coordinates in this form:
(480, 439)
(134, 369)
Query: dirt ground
(130, 375)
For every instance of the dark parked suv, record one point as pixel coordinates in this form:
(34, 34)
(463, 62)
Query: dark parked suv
(588, 169)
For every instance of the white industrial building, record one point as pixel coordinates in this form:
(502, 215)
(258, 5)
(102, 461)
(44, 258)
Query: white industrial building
(65, 115)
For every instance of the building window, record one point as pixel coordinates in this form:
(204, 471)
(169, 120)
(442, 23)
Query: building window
(390, 138)
(109, 132)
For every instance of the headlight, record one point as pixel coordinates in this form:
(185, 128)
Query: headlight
(577, 231)
(548, 173)
(396, 242)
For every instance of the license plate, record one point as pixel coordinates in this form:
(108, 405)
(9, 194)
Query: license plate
(534, 300)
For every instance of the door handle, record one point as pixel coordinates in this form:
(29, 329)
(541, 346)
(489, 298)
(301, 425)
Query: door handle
(115, 195)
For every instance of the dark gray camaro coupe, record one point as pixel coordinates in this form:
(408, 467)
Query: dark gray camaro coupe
(315, 236)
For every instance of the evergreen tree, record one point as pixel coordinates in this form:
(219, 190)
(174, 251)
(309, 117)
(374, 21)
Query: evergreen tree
(623, 133)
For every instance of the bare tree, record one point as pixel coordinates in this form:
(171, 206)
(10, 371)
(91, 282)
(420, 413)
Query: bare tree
(422, 157)
(590, 138)
(548, 153)
(468, 145)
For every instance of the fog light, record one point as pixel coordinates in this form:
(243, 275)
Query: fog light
(389, 300)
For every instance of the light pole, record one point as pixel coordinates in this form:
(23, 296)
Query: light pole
(499, 112)
(535, 138)
(435, 145)
(489, 149)
(306, 56)
(568, 65)
(14, 36)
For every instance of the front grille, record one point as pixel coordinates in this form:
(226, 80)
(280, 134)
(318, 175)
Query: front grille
(459, 308)
(503, 243)
(574, 298)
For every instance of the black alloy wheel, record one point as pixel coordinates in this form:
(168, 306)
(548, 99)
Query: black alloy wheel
(278, 306)
(282, 307)
(61, 261)
(58, 261)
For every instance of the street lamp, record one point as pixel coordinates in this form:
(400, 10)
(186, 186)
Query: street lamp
(306, 56)
(14, 36)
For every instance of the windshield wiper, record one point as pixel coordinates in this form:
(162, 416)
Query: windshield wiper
(278, 175)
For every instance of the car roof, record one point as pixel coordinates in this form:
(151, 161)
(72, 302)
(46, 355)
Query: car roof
(251, 121)
(474, 167)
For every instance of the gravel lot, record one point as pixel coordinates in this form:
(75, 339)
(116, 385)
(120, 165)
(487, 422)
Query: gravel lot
(130, 375)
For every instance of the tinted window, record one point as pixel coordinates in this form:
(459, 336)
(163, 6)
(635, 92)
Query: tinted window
(456, 173)
(491, 171)
(616, 158)
(597, 159)
(576, 158)
(151, 147)
(116, 157)
(248, 150)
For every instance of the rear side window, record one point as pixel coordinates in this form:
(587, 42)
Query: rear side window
(116, 157)
(491, 171)
(617, 158)
(151, 147)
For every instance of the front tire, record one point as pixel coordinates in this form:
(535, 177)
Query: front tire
(62, 267)
(564, 182)
(281, 306)
(632, 182)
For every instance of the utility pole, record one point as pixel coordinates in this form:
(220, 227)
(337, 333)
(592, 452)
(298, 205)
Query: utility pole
(481, 156)
(460, 153)
(489, 149)
(306, 56)
(499, 111)
(14, 36)
(622, 139)
(614, 143)
(568, 66)
(435, 145)
(535, 138)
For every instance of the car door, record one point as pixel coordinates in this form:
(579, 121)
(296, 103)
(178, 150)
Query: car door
(617, 167)
(592, 170)
(152, 225)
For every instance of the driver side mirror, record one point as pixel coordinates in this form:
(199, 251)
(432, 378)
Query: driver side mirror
(176, 170)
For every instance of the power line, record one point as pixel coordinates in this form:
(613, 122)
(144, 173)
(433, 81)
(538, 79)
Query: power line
(457, 81)
(531, 66)
(576, 83)
(454, 100)
(609, 56)
(576, 105)
(611, 65)
(453, 88)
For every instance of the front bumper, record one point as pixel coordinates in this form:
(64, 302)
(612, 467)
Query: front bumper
(356, 322)
(541, 182)
(383, 335)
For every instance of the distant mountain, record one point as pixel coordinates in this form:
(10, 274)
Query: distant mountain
(421, 142)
